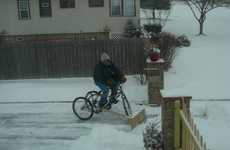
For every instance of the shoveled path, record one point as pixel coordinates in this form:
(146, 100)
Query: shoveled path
(44, 126)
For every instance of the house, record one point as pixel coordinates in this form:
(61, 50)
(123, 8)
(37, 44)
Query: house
(26, 18)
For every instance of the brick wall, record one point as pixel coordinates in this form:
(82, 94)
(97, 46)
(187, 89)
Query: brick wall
(155, 76)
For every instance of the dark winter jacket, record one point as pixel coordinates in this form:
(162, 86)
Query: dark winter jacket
(103, 73)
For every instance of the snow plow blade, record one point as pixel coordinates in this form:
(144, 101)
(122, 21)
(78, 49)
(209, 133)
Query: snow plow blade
(137, 119)
(133, 120)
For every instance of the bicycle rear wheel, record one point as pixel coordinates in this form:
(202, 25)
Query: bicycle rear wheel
(90, 94)
(93, 97)
(82, 108)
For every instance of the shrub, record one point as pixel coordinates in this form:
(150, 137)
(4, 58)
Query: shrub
(155, 28)
(168, 44)
(183, 41)
(153, 139)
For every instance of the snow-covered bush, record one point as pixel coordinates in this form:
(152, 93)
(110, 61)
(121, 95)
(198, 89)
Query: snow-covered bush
(153, 138)
(168, 44)
(183, 41)
(130, 29)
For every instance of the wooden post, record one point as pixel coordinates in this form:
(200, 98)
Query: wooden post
(177, 126)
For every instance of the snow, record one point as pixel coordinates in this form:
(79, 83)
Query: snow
(215, 126)
(37, 114)
(104, 137)
(62, 89)
(199, 71)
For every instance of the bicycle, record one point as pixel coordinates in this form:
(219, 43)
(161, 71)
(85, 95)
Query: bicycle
(85, 107)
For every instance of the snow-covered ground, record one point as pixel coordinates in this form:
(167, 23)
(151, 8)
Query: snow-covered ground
(37, 114)
(63, 89)
(199, 71)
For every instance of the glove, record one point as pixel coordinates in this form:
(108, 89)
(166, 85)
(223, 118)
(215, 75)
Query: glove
(123, 79)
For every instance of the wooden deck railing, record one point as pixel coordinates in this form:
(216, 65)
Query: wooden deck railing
(187, 136)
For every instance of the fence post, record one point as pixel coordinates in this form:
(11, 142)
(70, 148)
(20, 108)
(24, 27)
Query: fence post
(177, 125)
(170, 121)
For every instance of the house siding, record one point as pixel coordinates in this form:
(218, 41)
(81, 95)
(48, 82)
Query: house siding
(82, 18)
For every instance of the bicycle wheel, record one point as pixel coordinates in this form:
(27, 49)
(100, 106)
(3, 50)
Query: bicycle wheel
(82, 108)
(90, 93)
(126, 105)
(93, 97)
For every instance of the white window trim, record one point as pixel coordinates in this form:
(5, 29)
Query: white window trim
(26, 5)
(111, 9)
(122, 9)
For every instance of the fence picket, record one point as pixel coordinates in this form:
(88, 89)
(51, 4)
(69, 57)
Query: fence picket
(190, 137)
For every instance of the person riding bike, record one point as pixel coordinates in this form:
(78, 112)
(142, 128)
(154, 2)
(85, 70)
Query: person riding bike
(107, 76)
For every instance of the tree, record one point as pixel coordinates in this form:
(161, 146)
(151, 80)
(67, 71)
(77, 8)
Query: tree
(200, 8)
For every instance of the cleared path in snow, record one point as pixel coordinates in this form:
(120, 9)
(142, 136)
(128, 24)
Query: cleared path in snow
(44, 126)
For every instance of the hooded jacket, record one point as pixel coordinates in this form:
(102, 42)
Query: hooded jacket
(103, 73)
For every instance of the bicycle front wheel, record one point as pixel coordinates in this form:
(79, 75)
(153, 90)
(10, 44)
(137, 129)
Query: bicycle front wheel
(82, 108)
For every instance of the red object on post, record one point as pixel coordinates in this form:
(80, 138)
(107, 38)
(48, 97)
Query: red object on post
(154, 56)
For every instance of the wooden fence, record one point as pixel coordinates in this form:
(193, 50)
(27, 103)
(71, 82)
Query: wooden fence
(187, 136)
(67, 58)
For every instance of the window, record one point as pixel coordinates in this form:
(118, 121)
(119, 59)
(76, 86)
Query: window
(116, 6)
(67, 3)
(129, 7)
(23, 9)
(96, 3)
(122, 7)
(45, 8)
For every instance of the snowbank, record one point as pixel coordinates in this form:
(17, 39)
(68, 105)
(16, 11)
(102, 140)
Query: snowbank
(104, 137)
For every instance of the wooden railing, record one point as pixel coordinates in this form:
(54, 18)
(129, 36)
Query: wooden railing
(187, 136)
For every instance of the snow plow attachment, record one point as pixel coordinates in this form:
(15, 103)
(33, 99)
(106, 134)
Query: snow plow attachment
(134, 120)
(137, 119)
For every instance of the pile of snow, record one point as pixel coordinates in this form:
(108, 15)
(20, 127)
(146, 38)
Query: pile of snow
(104, 137)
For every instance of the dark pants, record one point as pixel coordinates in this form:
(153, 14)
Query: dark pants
(105, 92)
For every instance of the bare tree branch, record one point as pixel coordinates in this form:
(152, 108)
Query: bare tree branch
(193, 11)
(200, 8)
(197, 5)
(211, 9)
(207, 3)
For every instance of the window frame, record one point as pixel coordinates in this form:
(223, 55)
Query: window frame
(61, 2)
(122, 9)
(20, 10)
(49, 7)
(134, 9)
(92, 6)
